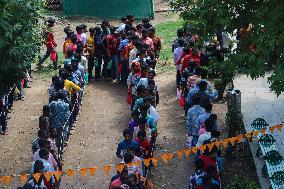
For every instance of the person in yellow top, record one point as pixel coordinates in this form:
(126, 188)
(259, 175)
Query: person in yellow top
(90, 52)
(69, 85)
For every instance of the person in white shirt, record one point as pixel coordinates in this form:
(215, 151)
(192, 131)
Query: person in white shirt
(210, 135)
(178, 52)
(84, 34)
(122, 25)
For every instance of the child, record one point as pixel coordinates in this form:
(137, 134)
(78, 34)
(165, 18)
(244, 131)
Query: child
(42, 134)
(177, 56)
(90, 53)
(52, 140)
(142, 127)
(134, 121)
(68, 40)
(154, 92)
(3, 117)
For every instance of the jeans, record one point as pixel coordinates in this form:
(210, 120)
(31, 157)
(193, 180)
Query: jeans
(98, 67)
(3, 120)
(91, 66)
(178, 78)
(124, 72)
(47, 54)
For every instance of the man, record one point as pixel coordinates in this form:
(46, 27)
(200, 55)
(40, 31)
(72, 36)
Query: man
(129, 24)
(59, 111)
(123, 146)
(180, 35)
(99, 51)
(191, 120)
(205, 97)
(203, 117)
(50, 45)
(122, 25)
(84, 34)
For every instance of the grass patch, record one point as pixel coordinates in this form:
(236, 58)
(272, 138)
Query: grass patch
(167, 32)
(47, 72)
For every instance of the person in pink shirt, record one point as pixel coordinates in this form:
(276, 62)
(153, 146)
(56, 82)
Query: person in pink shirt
(146, 39)
(79, 30)
(43, 143)
(122, 179)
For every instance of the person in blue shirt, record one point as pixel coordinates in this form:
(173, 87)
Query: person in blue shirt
(123, 146)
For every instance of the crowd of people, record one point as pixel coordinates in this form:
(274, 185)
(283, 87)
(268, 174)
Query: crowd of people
(196, 94)
(7, 99)
(127, 54)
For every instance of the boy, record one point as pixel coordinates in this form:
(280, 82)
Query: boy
(156, 42)
(50, 45)
(123, 146)
(90, 51)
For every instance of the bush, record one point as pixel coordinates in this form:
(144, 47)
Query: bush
(20, 39)
(236, 183)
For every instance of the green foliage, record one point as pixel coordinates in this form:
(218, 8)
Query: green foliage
(237, 183)
(20, 38)
(167, 32)
(266, 17)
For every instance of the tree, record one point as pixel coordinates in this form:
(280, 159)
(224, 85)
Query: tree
(266, 34)
(20, 39)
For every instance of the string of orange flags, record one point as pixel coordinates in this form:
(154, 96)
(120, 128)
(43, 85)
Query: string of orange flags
(166, 158)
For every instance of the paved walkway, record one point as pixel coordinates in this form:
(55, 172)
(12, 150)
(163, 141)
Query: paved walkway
(258, 101)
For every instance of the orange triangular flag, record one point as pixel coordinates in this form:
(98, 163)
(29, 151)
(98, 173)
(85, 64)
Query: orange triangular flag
(179, 153)
(232, 140)
(154, 161)
(239, 138)
(279, 127)
(1, 181)
(24, 178)
(146, 162)
(271, 129)
(70, 172)
(137, 163)
(187, 152)
(47, 176)
(248, 136)
(93, 170)
(37, 176)
(263, 131)
(107, 169)
(255, 133)
(120, 167)
(57, 175)
(164, 157)
(225, 142)
(8, 180)
(217, 144)
(83, 172)
(194, 150)
(202, 148)
(210, 146)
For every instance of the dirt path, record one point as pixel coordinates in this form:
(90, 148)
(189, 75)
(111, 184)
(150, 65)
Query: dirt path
(104, 116)
(16, 154)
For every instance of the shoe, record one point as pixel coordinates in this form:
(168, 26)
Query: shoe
(3, 133)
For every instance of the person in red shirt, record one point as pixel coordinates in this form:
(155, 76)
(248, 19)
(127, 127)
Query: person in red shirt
(50, 46)
(209, 159)
(145, 148)
(193, 55)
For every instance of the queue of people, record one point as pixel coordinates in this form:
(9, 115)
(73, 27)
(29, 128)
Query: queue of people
(196, 94)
